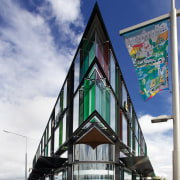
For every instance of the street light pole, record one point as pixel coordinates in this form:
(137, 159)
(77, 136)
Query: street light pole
(25, 149)
(175, 92)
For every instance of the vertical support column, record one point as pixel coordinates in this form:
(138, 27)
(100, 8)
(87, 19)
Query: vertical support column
(69, 120)
(175, 90)
(117, 155)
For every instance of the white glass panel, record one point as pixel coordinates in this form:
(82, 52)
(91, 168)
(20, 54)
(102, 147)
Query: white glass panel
(64, 155)
(137, 129)
(94, 171)
(113, 110)
(127, 176)
(124, 94)
(137, 147)
(49, 128)
(124, 122)
(57, 110)
(130, 111)
(42, 145)
(49, 148)
(76, 72)
(56, 139)
(65, 96)
(113, 71)
(64, 129)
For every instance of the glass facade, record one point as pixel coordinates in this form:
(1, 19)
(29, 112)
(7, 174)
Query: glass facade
(127, 175)
(83, 152)
(93, 171)
(97, 97)
(60, 175)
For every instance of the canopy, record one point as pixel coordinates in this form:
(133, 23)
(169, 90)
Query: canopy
(141, 164)
(44, 165)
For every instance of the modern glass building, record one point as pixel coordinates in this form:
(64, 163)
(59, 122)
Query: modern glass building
(93, 131)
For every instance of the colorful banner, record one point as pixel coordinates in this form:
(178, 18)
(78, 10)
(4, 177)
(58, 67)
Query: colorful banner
(148, 48)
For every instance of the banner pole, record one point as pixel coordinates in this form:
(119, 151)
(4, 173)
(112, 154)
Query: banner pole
(175, 92)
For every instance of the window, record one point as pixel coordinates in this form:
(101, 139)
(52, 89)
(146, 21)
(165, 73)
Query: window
(99, 50)
(87, 56)
(102, 54)
(61, 175)
(64, 129)
(76, 71)
(132, 142)
(124, 129)
(93, 171)
(76, 112)
(124, 95)
(49, 129)
(137, 148)
(47, 178)
(113, 113)
(130, 111)
(65, 96)
(49, 148)
(57, 111)
(42, 145)
(56, 139)
(137, 129)
(89, 97)
(103, 99)
(113, 72)
(127, 175)
(102, 152)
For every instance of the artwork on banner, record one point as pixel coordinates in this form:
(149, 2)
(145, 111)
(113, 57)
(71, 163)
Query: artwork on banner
(148, 48)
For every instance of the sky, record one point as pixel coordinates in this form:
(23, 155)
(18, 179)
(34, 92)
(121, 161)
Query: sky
(38, 40)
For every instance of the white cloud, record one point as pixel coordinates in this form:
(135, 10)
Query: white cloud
(156, 128)
(29, 118)
(66, 13)
(159, 142)
(32, 72)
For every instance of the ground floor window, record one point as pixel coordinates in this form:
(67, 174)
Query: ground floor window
(127, 175)
(93, 171)
(60, 175)
(47, 178)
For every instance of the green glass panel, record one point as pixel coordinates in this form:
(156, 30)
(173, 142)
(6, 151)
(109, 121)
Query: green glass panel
(47, 150)
(60, 132)
(91, 52)
(92, 120)
(81, 71)
(102, 101)
(81, 106)
(85, 61)
(92, 96)
(86, 98)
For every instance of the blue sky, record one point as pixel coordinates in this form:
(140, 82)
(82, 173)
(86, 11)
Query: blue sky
(38, 40)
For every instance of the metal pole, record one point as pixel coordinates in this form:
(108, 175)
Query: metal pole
(175, 90)
(25, 149)
(26, 161)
